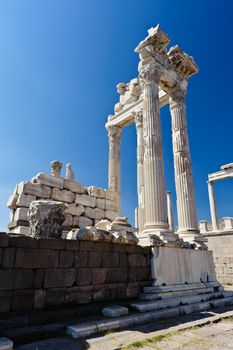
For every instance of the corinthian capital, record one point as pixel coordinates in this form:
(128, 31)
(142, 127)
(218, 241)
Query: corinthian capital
(138, 118)
(114, 133)
(149, 73)
(177, 98)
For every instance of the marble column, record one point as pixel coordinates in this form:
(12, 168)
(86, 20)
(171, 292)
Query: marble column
(114, 171)
(186, 208)
(140, 173)
(170, 212)
(155, 215)
(213, 208)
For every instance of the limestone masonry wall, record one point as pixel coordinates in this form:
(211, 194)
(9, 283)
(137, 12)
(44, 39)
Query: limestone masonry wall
(86, 205)
(45, 273)
(222, 244)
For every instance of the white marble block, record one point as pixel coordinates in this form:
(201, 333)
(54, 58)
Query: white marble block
(21, 214)
(82, 221)
(48, 180)
(112, 195)
(74, 186)
(68, 220)
(96, 192)
(74, 209)
(62, 195)
(11, 203)
(111, 205)
(37, 190)
(85, 200)
(111, 215)
(228, 223)
(101, 203)
(24, 200)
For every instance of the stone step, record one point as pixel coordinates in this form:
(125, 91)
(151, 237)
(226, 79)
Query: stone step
(180, 287)
(172, 302)
(93, 328)
(165, 295)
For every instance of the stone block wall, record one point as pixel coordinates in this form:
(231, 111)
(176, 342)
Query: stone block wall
(222, 246)
(45, 273)
(85, 205)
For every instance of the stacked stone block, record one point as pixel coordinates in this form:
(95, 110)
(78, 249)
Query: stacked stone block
(85, 205)
(44, 273)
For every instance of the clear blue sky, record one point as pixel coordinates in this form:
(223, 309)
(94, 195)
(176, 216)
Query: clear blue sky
(60, 63)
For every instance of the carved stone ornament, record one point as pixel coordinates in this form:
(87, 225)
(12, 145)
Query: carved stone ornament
(149, 73)
(138, 118)
(114, 133)
(46, 218)
(69, 172)
(177, 98)
(56, 167)
(90, 233)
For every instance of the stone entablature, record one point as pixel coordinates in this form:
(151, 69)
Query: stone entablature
(44, 273)
(85, 205)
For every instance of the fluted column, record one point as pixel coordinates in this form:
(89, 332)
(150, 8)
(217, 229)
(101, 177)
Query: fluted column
(186, 208)
(140, 174)
(155, 214)
(213, 208)
(114, 172)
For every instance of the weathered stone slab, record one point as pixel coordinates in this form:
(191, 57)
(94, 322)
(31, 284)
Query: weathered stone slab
(12, 279)
(96, 192)
(62, 195)
(115, 311)
(24, 200)
(82, 221)
(11, 203)
(68, 221)
(21, 230)
(111, 205)
(75, 210)
(94, 213)
(36, 258)
(111, 215)
(37, 190)
(21, 214)
(74, 186)
(101, 203)
(112, 195)
(6, 344)
(45, 179)
(60, 277)
(85, 200)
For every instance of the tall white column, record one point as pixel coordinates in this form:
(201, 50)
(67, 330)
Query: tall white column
(140, 173)
(186, 209)
(213, 208)
(114, 171)
(170, 212)
(155, 214)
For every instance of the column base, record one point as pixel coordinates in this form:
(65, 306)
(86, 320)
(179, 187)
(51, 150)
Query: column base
(158, 237)
(193, 237)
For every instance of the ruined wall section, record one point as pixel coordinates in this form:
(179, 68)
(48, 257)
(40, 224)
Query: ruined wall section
(85, 205)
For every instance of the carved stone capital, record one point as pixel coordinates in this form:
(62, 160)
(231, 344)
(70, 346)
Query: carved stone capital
(138, 118)
(177, 98)
(149, 73)
(114, 133)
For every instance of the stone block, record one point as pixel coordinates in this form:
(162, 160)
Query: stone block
(81, 259)
(24, 200)
(23, 242)
(12, 279)
(96, 213)
(79, 295)
(99, 275)
(37, 190)
(39, 299)
(90, 212)
(110, 259)
(111, 291)
(143, 273)
(136, 260)
(72, 244)
(21, 214)
(75, 210)
(4, 240)
(85, 200)
(5, 301)
(51, 243)
(111, 215)
(87, 246)
(112, 195)
(17, 223)
(132, 290)
(94, 259)
(36, 258)
(11, 203)
(133, 274)
(103, 247)
(101, 203)
(96, 192)
(110, 205)
(84, 277)
(83, 330)
(55, 297)
(6, 344)
(99, 214)
(115, 311)
(8, 258)
(39, 278)
(115, 275)
(60, 277)
(21, 230)
(123, 260)
(62, 195)
(66, 258)
(51, 181)
(82, 221)
(121, 291)
(74, 186)
(22, 300)
(68, 221)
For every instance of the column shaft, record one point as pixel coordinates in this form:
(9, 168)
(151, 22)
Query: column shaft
(170, 212)
(155, 215)
(186, 209)
(140, 172)
(213, 208)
